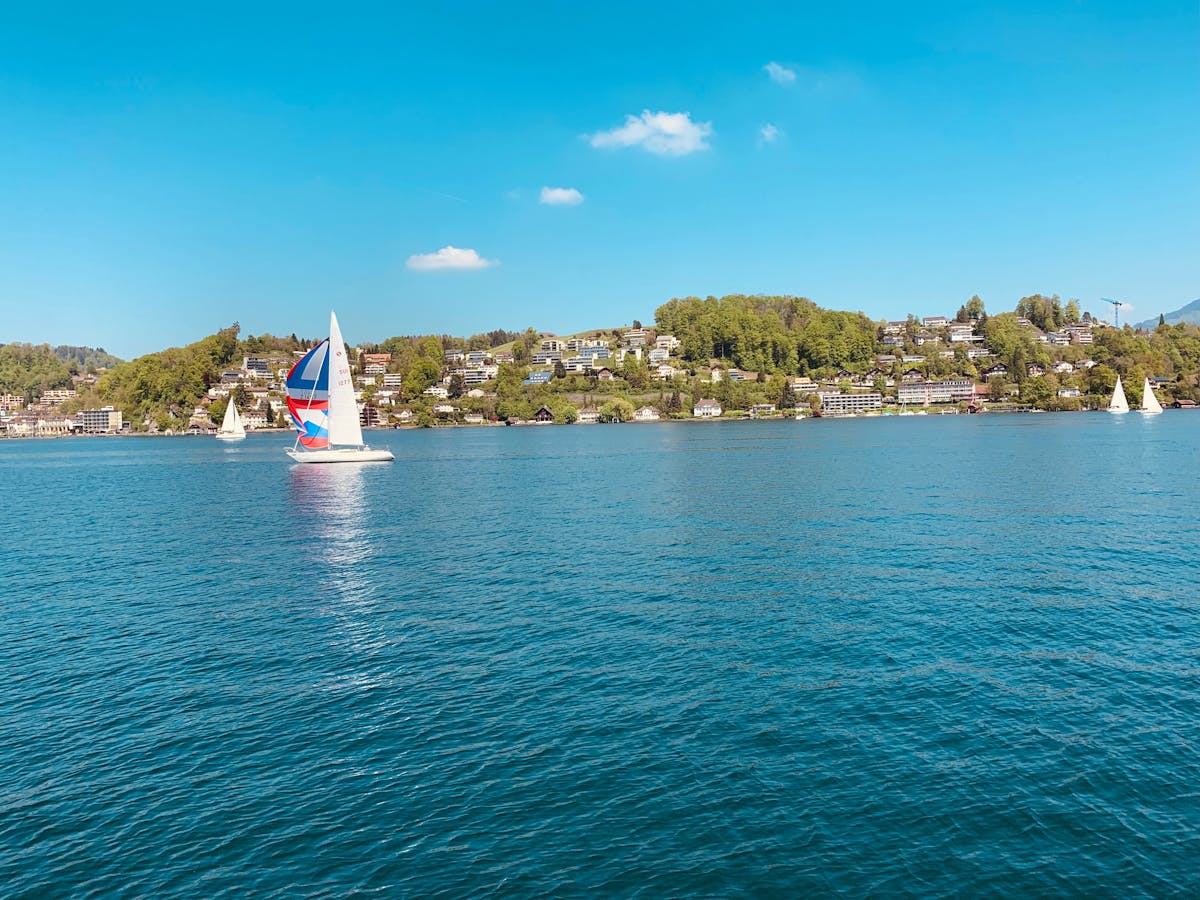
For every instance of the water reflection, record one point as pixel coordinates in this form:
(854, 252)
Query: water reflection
(328, 510)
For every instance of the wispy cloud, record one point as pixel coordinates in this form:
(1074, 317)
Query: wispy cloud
(779, 74)
(666, 134)
(560, 197)
(768, 134)
(449, 258)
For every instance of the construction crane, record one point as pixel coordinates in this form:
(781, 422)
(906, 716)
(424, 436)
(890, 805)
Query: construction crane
(1117, 304)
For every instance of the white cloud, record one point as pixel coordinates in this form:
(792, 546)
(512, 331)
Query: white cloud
(768, 134)
(449, 258)
(561, 197)
(667, 134)
(779, 74)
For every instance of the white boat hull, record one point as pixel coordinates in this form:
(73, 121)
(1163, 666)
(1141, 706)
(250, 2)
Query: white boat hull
(344, 455)
(1118, 412)
(229, 437)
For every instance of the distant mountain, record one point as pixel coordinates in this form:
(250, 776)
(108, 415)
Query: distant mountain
(1189, 313)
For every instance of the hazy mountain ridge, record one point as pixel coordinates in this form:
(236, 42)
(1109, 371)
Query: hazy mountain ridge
(1187, 313)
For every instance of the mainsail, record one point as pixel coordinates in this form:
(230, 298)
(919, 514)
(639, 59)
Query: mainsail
(232, 423)
(344, 428)
(1150, 404)
(1118, 403)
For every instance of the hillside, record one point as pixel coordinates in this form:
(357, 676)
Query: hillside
(1189, 313)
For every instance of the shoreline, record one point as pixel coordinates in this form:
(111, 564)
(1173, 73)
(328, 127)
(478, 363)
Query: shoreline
(926, 413)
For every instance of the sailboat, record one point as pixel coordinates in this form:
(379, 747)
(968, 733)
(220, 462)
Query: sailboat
(1150, 404)
(1118, 403)
(321, 402)
(231, 428)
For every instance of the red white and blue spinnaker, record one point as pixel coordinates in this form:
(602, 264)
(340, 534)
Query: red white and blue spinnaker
(308, 396)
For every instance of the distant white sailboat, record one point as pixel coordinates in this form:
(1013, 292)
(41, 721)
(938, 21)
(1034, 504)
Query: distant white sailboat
(1150, 404)
(231, 428)
(1118, 403)
(321, 401)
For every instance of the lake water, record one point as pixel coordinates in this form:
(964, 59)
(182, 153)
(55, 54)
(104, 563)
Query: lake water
(943, 655)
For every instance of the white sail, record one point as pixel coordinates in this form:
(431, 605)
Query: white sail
(1118, 403)
(344, 428)
(232, 423)
(1150, 404)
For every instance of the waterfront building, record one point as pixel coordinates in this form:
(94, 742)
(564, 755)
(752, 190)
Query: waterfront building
(706, 409)
(589, 415)
(923, 393)
(100, 421)
(839, 403)
(647, 414)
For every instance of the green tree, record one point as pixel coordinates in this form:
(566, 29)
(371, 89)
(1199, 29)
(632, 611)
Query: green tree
(787, 397)
(616, 410)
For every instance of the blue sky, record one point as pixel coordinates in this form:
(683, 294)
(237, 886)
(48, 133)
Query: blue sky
(164, 172)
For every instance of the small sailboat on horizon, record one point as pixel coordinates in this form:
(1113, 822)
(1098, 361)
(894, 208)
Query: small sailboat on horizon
(1118, 403)
(320, 398)
(231, 428)
(1150, 404)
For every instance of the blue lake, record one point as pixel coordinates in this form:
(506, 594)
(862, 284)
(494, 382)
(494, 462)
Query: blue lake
(935, 656)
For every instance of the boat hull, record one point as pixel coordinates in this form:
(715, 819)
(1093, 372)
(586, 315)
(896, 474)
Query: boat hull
(1118, 412)
(230, 437)
(345, 455)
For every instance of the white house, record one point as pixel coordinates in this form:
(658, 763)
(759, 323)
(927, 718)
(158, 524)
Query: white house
(707, 409)
(647, 414)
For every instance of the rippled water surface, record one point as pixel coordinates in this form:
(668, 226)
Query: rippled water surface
(950, 655)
